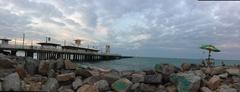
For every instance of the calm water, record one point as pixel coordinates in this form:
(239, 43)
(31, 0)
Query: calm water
(141, 63)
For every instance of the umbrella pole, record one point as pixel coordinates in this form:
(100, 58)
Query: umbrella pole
(209, 57)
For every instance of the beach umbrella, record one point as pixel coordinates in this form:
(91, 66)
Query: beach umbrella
(210, 49)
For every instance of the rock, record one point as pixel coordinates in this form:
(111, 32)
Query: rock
(51, 74)
(43, 67)
(63, 89)
(147, 88)
(110, 77)
(214, 82)
(200, 73)
(218, 70)
(135, 87)
(66, 77)
(6, 63)
(121, 85)
(224, 75)
(225, 88)
(153, 79)
(165, 69)
(21, 71)
(11, 82)
(186, 66)
(87, 88)
(60, 64)
(31, 86)
(51, 85)
(236, 79)
(205, 89)
(83, 73)
(91, 80)
(233, 71)
(237, 86)
(161, 88)
(186, 82)
(171, 88)
(77, 83)
(137, 78)
(1, 89)
(102, 86)
(69, 65)
(31, 65)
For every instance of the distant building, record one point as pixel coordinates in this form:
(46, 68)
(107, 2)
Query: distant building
(80, 49)
(49, 45)
(5, 41)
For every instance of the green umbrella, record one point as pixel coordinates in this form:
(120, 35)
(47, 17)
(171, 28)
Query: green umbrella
(210, 49)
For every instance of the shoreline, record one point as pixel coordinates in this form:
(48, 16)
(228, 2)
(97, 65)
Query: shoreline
(27, 74)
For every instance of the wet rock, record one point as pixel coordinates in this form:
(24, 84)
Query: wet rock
(186, 82)
(77, 83)
(51, 74)
(91, 80)
(69, 65)
(147, 88)
(153, 79)
(11, 82)
(137, 78)
(6, 63)
(31, 65)
(60, 64)
(185, 67)
(83, 73)
(165, 69)
(121, 85)
(233, 71)
(102, 86)
(21, 71)
(43, 67)
(63, 89)
(205, 89)
(171, 88)
(66, 77)
(225, 88)
(214, 82)
(51, 85)
(87, 88)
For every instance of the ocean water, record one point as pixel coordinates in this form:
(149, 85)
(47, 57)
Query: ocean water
(146, 63)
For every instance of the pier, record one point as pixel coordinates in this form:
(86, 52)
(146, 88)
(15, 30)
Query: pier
(56, 51)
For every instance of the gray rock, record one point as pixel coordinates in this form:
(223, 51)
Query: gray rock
(31, 65)
(65, 77)
(51, 74)
(165, 69)
(6, 63)
(225, 88)
(51, 85)
(185, 66)
(60, 64)
(200, 73)
(224, 75)
(102, 86)
(83, 72)
(110, 77)
(137, 78)
(1, 89)
(135, 86)
(233, 71)
(186, 82)
(147, 88)
(77, 83)
(214, 82)
(205, 89)
(153, 79)
(63, 89)
(43, 67)
(92, 80)
(237, 86)
(12, 82)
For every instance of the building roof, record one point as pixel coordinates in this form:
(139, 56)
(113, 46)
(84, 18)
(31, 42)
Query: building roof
(49, 44)
(77, 48)
(5, 39)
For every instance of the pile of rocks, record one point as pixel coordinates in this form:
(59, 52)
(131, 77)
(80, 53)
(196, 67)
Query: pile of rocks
(26, 74)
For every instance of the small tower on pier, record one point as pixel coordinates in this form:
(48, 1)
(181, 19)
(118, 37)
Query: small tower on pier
(5, 41)
(107, 49)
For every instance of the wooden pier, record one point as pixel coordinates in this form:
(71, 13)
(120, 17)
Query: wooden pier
(65, 52)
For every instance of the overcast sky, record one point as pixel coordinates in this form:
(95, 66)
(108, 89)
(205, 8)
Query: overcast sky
(153, 28)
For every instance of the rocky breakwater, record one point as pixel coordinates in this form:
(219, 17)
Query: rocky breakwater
(26, 74)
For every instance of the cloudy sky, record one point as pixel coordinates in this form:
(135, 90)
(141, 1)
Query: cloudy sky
(153, 28)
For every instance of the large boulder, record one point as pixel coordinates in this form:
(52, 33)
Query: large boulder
(31, 65)
(153, 79)
(6, 63)
(43, 67)
(233, 71)
(121, 85)
(111, 77)
(218, 70)
(51, 85)
(87, 88)
(64, 89)
(69, 65)
(171, 88)
(225, 88)
(185, 66)
(102, 86)
(83, 73)
(214, 82)
(21, 71)
(12, 82)
(137, 78)
(205, 89)
(60, 64)
(91, 80)
(77, 83)
(65, 77)
(165, 69)
(186, 82)
(147, 88)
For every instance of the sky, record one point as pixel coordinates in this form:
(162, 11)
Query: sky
(151, 28)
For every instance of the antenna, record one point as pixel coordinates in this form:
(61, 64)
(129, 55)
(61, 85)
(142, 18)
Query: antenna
(23, 40)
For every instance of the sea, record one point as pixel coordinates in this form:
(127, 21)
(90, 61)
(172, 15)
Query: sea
(147, 63)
